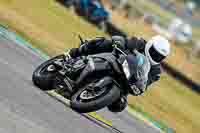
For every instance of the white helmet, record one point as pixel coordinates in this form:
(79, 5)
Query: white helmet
(157, 49)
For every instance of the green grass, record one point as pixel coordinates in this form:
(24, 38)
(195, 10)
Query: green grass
(150, 7)
(47, 23)
(173, 104)
(196, 33)
(159, 123)
(52, 28)
(164, 16)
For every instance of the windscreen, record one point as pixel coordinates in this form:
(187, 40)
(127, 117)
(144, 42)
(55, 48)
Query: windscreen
(139, 67)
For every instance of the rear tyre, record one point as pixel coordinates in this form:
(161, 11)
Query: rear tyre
(43, 78)
(106, 98)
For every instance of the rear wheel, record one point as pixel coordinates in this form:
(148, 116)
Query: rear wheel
(85, 100)
(44, 76)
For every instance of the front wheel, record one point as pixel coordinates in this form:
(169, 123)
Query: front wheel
(84, 100)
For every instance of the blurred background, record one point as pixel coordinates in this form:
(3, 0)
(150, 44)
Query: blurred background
(53, 26)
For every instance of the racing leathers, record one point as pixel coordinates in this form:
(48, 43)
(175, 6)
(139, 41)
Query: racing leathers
(101, 45)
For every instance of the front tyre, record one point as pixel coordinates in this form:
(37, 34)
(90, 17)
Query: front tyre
(81, 104)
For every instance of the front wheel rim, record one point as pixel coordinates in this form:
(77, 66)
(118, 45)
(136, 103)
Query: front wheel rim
(88, 95)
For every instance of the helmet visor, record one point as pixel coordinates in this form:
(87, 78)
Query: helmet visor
(155, 55)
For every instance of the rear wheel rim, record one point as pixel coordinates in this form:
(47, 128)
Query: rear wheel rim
(49, 68)
(46, 70)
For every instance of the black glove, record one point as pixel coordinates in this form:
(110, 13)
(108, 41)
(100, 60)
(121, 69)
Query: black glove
(136, 43)
(154, 74)
(119, 41)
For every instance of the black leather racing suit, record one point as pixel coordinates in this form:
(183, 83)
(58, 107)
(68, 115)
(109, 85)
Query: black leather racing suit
(100, 45)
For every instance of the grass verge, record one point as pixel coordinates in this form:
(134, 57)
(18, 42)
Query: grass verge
(159, 124)
(52, 28)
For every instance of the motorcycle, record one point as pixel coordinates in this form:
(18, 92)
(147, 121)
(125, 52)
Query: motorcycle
(92, 82)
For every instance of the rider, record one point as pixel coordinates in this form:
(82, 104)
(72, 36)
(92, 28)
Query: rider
(156, 50)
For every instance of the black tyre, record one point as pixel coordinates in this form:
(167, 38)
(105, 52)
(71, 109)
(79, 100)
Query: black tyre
(110, 95)
(42, 78)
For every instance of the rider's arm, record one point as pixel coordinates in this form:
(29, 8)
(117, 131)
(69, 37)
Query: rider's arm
(102, 44)
(99, 45)
(94, 46)
(136, 43)
(154, 74)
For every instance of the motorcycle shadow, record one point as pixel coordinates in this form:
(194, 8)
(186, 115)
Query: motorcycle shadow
(58, 97)
(92, 116)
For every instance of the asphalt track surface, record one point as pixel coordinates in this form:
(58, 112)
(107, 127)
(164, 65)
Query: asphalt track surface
(26, 109)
